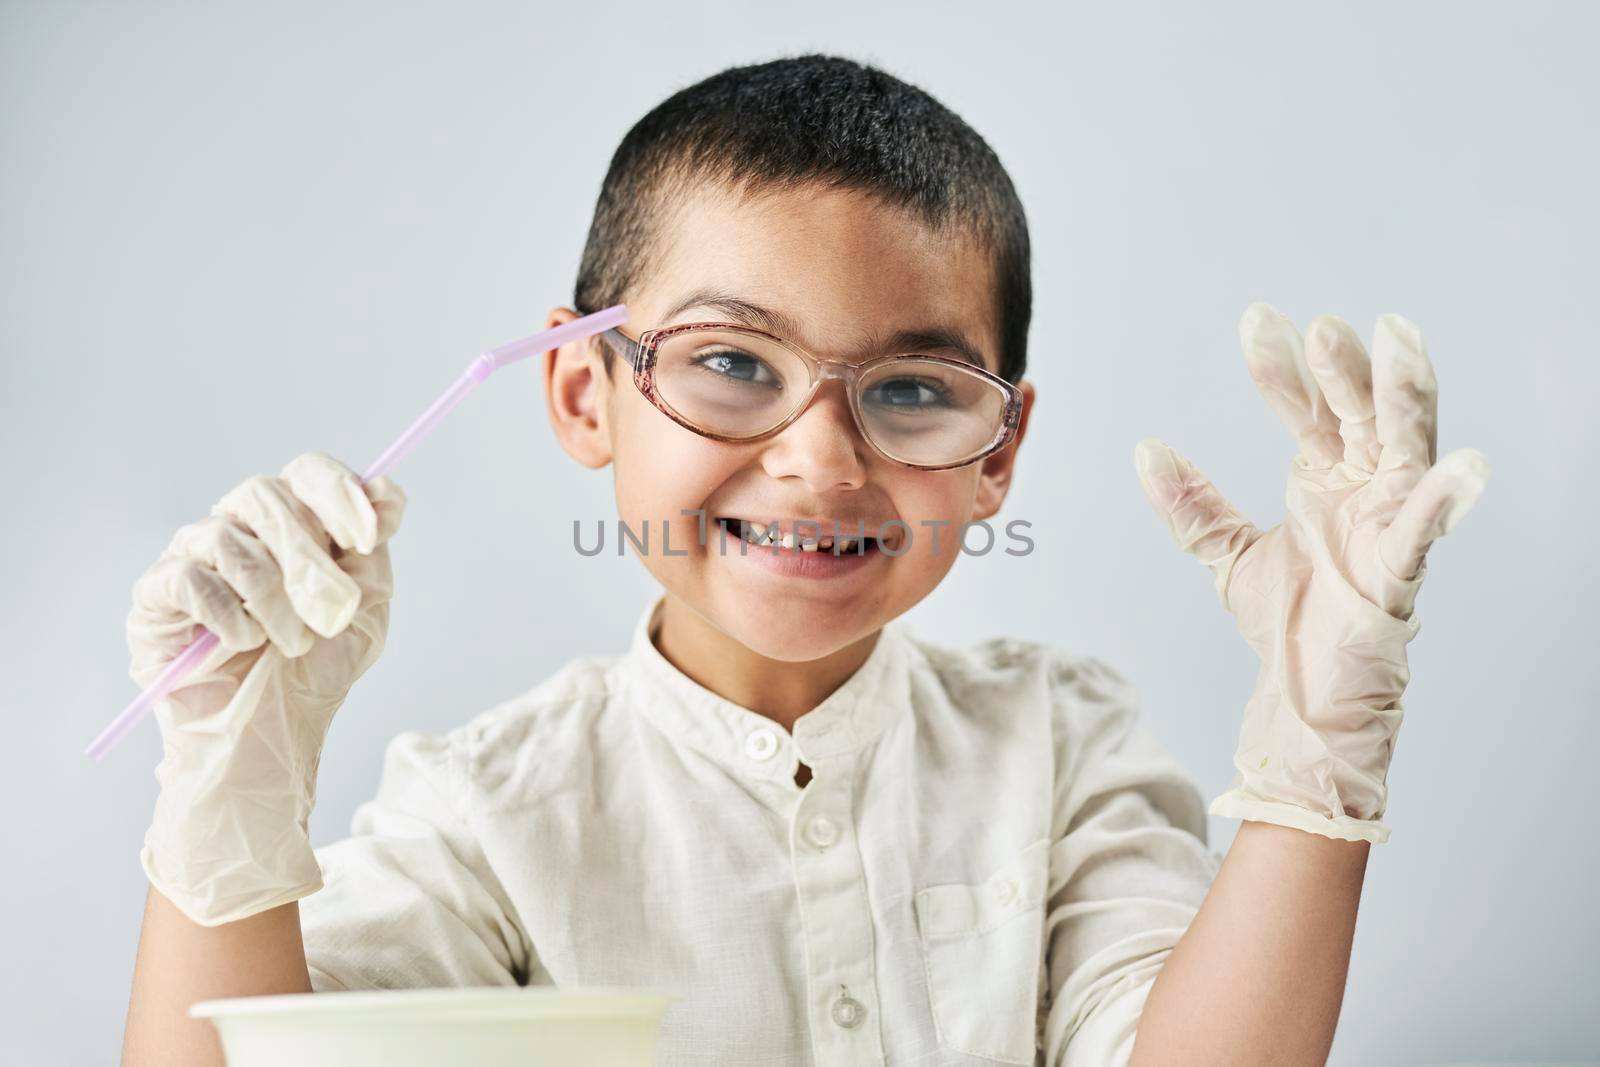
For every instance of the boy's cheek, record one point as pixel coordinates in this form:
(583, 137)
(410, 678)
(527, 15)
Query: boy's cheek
(941, 500)
(657, 458)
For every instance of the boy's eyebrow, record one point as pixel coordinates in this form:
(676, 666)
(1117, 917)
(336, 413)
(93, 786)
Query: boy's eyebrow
(750, 313)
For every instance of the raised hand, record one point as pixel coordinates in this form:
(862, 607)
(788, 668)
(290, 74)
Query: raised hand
(292, 573)
(1325, 598)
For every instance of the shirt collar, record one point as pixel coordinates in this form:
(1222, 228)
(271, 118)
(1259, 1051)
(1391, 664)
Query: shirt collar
(750, 743)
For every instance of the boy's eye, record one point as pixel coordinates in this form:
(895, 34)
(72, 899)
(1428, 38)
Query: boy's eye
(732, 364)
(909, 394)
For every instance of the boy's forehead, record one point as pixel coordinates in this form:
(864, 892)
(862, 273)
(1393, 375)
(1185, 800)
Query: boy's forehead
(835, 270)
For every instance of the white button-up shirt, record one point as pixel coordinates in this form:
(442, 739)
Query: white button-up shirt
(990, 863)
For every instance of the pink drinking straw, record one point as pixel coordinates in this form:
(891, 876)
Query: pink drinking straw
(476, 372)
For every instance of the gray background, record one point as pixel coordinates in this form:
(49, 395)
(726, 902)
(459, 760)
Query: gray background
(228, 235)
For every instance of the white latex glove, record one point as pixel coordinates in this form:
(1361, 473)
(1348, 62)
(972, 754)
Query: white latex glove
(1326, 597)
(292, 574)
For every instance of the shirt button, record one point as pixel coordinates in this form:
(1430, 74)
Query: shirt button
(761, 745)
(822, 832)
(1005, 891)
(848, 1012)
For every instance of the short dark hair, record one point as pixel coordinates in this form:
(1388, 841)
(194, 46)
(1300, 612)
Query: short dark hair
(811, 118)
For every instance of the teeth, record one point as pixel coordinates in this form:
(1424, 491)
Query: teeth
(757, 533)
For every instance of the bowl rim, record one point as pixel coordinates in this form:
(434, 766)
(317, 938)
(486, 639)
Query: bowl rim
(549, 1001)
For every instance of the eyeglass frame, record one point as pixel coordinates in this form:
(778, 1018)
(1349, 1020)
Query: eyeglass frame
(641, 356)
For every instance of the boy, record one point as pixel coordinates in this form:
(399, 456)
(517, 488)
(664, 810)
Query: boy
(840, 842)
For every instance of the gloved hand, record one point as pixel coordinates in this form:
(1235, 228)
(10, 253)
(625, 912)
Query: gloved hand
(1326, 597)
(293, 576)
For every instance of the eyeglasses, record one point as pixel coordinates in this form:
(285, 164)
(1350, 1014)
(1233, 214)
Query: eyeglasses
(736, 383)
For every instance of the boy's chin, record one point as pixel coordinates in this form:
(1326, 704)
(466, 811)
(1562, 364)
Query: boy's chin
(800, 637)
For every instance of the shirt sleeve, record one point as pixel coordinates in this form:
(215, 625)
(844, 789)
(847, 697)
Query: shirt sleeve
(408, 900)
(1129, 866)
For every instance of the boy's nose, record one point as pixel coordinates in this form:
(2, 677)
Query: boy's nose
(822, 447)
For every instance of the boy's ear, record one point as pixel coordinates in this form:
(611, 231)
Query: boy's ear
(577, 395)
(994, 478)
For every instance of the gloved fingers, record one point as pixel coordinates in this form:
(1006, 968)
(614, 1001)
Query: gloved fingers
(1341, 367)
(362, 642)
(1431, 510)
(1275, 356)
(373, 573)
(227, 547)
(1200, 518)
(389, 502)
(175, 593)
(335, 495)
(1405, 395)
(323, 596)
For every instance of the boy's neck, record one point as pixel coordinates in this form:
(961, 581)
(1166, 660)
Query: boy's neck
(780, 690)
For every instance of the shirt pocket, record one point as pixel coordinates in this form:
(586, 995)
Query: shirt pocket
(983, 946)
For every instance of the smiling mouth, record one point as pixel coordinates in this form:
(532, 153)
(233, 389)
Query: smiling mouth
(758, 533)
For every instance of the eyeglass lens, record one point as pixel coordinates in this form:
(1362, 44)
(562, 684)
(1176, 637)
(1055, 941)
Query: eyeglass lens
(916, 410)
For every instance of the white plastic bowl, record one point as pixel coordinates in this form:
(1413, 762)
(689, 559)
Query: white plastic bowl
(487, 1027)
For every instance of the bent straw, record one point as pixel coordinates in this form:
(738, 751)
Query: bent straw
(473, 376)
